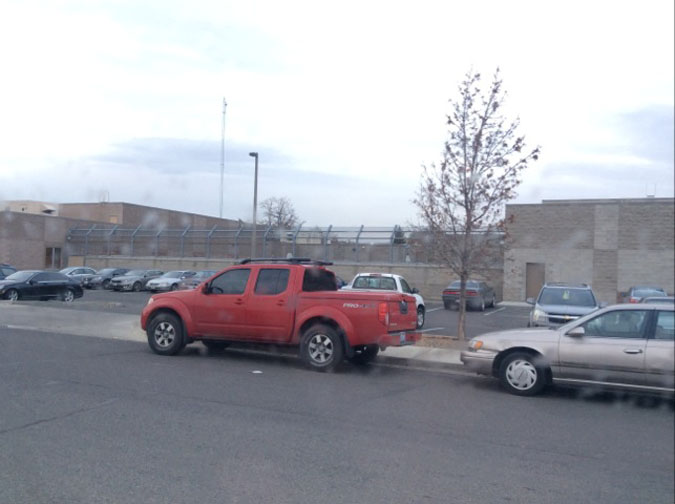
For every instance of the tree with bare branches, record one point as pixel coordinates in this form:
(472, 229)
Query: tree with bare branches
(461, 199)
(278, 213)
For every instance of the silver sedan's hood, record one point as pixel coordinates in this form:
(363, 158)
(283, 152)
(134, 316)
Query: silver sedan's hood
(515, 337)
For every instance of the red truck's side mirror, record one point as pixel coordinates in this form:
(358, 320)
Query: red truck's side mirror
(206, 289)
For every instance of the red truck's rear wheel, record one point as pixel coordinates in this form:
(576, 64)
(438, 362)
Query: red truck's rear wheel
(321, 348)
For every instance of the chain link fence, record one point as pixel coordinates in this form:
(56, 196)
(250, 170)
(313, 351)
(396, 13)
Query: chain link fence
(338, 244)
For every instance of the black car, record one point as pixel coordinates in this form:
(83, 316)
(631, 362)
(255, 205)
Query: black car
(478, 295)
(32, 284)
(102, 278)
(6, 270)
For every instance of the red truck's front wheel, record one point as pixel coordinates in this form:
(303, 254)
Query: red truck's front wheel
(321, 348)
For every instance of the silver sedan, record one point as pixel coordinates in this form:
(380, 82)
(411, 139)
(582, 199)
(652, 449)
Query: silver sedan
(621, 346)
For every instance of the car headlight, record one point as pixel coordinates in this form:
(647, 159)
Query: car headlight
(539, 316)
(475, 344)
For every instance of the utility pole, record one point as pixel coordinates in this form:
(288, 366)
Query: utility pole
(255, 202)
(222, 160)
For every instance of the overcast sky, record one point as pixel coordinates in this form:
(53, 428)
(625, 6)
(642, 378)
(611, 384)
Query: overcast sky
(344, 101)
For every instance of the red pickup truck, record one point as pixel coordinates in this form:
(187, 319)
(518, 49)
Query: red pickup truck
(291, 302)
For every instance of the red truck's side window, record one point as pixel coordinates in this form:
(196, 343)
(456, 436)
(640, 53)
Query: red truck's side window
(231, 282)
(317, 279)
(271, 282)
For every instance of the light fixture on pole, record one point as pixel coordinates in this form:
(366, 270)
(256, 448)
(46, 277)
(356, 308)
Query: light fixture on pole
(255, 202)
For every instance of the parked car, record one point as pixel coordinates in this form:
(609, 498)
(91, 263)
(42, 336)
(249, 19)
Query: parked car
(625, 346)
(193, 281)
(78, 273)
(392, 282)
(102, 278)
(134, 280)
(168, 281)
(478, 295)
(658, 299)
(635, 294)
(291, 302)
(559, 303)
(6, 270)
(35, 284)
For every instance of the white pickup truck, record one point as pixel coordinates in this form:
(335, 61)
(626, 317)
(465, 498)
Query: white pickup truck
(391, 282)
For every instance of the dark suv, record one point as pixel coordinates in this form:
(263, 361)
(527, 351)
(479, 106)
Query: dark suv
(6, 270)
(559, 303)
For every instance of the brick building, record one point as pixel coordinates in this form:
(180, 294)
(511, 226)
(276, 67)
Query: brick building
(610, 244)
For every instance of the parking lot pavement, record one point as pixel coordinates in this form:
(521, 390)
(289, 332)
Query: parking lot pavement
(440, 321)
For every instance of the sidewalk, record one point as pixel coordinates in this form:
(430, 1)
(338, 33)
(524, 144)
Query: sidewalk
(432, 352)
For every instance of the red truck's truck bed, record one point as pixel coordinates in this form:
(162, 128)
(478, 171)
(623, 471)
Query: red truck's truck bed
(289, 303)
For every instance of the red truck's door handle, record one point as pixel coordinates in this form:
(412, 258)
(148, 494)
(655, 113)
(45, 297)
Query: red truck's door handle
(239, 301)
(281, 302)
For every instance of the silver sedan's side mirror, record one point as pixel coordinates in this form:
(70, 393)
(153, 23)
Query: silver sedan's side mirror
(577, 332)
(530, 301)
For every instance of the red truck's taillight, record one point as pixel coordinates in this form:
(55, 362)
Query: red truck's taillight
(383, 313)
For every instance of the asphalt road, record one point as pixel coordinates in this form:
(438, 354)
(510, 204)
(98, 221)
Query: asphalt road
(97, 420)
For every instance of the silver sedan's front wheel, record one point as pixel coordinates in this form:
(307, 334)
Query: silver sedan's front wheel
(521, 374)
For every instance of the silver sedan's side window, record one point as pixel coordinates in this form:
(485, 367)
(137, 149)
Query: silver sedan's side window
(665, 326)
(617, 324)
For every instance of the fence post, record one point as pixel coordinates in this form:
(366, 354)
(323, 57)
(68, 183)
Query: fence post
(133, 236)
(182, 242)
(267, 232)
(208, 241)
(295, 238)
(358, 237)
(392, 239)
(325, 243)
(112, 232)
(86, 244)
(236, 240)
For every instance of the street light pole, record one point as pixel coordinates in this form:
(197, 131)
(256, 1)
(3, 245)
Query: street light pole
(255, 201)
(222, 160)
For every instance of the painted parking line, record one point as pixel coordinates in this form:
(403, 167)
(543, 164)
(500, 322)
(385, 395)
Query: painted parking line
(431, 329)
(434, 309)
(494, 311)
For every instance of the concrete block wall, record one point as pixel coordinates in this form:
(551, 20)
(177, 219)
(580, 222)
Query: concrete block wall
(611, 244)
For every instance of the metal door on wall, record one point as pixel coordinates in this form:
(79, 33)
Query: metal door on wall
(535, 277)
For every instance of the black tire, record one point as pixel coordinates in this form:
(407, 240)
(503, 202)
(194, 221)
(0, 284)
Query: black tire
(420, 313)
(522, 374)
(321, 348)
(174, 287)
(106, 284)
(481, 306)
(138, 287)
(215, 346)
(12, 295)
(165, 334)
(494, 301)
(447, 305)
(365, 354)
(67, 296)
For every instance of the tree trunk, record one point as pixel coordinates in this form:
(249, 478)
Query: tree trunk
(461, 307)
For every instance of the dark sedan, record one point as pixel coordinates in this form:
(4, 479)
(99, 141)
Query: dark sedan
(31, 284)
(478, 295)
(134, 280)
(102, 278)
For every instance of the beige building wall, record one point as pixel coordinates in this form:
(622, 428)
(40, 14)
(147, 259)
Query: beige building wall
(610, 244)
